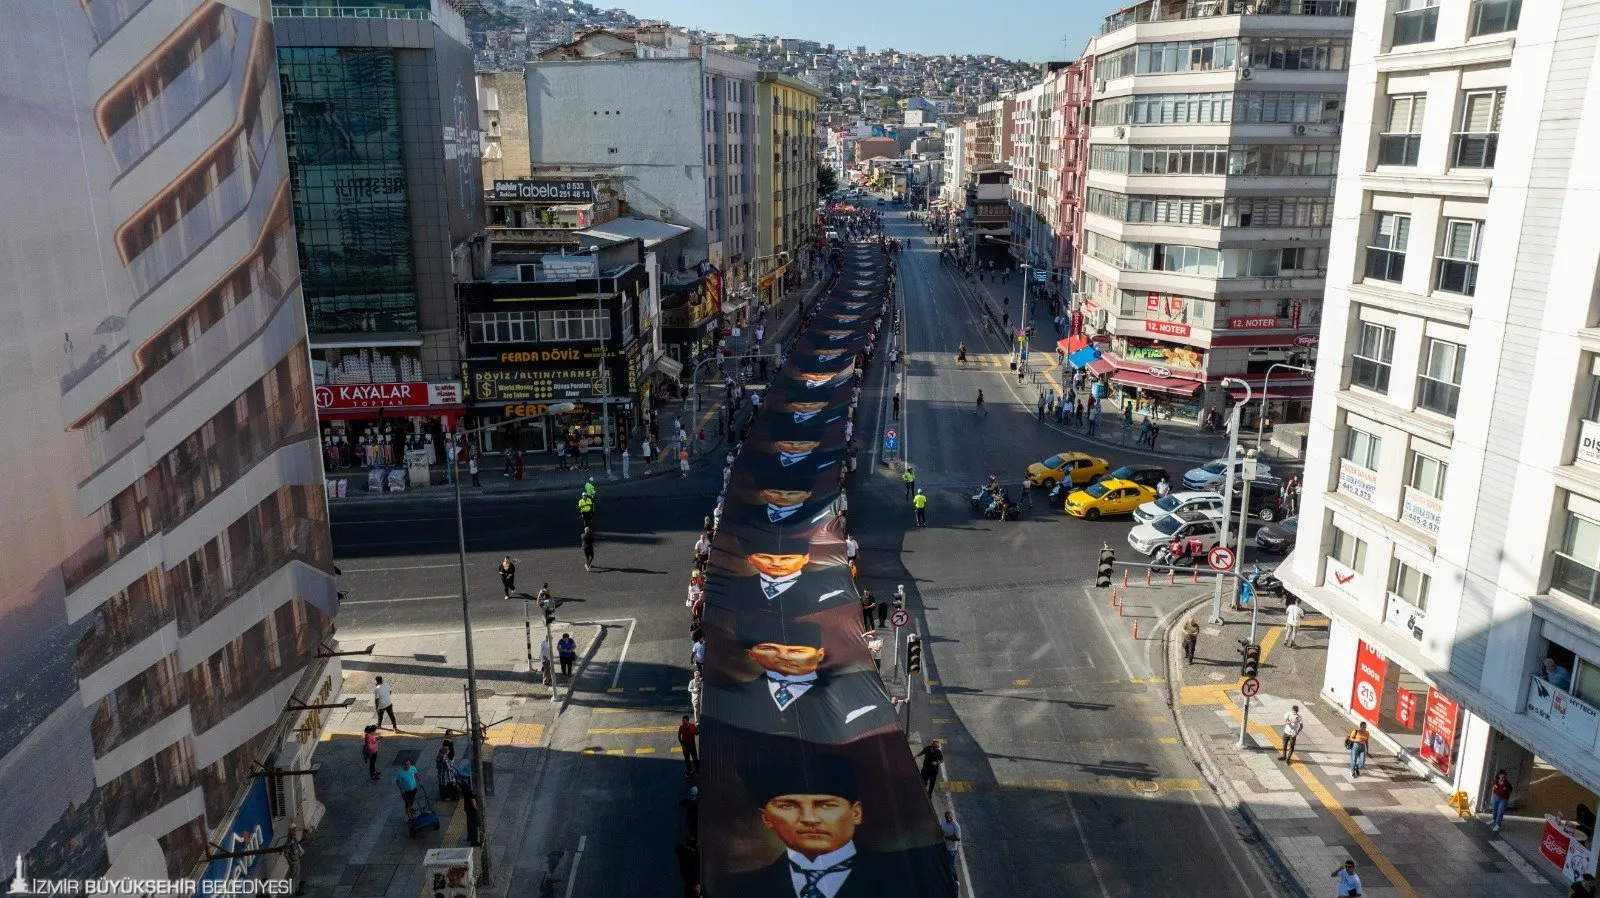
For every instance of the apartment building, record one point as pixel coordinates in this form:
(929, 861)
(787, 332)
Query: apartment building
(953, 177)
(169, 506)
(786, 193)
(1208, 198)
(1451, 515)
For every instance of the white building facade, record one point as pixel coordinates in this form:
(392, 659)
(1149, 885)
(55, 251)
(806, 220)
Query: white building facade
(953, 183)
(1451, 512)
(1208, 195)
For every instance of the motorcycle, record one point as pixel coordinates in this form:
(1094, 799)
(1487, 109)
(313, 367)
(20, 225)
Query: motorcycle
(961, 353)
(1179, 553)
(1001, 508)
(1266, 582)
(985, 495)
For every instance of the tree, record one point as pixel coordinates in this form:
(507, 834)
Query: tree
(827, 181)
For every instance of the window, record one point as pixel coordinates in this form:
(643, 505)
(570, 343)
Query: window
(1386, 254)
(502, 327)
(1349, 551)
(1576, 571)
(1494, 17)
(1479, 135)
(574, 325)
(1458, 263)
(1415, 22)
(1362, 449)
(1267, 108)
(1439, 383)
(1373, 356)
(1427, 475)
(1295, 53)
(1410, 585)
(1403, 138)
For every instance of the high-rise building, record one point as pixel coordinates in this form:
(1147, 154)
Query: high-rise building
(786, 193)
(381, 115)
(1450, 521)
(1208, 200)
(166, 532)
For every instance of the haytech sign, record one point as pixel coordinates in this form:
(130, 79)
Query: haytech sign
(415, 394)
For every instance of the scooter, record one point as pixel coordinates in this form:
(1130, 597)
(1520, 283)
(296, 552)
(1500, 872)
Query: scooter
(961, 353)
(1266, 581)
(1002, 508)
(1179, 553)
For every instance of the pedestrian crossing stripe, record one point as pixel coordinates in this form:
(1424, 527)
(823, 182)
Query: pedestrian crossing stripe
(1099, 786)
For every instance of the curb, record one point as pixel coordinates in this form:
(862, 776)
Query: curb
(1245, 822)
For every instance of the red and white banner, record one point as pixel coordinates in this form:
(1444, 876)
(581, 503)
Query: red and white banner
(1439, 730)
(1252, 322)
(414, 394)
(1366, 696)
(1405, 708)
(1166, 328)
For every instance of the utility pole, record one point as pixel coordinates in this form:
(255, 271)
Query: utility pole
(601, 326)
(1227, 492)
(480, 770)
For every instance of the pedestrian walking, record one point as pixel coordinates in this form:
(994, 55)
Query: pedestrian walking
(1026, 493)
(472, 469)
(910, 480)
(588, 548)
(852, 551)
(508, 575)
(869, 609)
(697, 654)
(687, 733)
(1163, 487)
(1155, 431)
(1191, 638)
(1293, 726)
(688, 853)
(369, 750)
(932, 759)
(622, 446)
(696, 685)
(470, 803)
(1293, 616)
(897, 405)
(644, 453)
(567, 653)
(1357, 743)
(405, 779)
(383, 698)
(952, 839)
(294, 850)
(920, 501)
(683, 461)
(1043, 401)
(1349, 882)
(1499, 797)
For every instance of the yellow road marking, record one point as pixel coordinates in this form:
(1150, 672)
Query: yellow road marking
(516, 734)
(1205, 694)
(1269, 642)
(956, 786)
(933, 682)
(644, 751)
(647, 689)
(1022, 682)
(943, 720)
(632, 731)
(614, 690)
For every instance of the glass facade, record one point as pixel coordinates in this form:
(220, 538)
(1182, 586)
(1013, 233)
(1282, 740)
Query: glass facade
(342, 124)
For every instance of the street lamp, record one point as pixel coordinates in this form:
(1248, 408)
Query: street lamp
(1227, 492)
(605, 376)
(1266, 390)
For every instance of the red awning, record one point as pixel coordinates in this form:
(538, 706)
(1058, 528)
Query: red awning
(1179, 386)
(1100, 366)
(1284, 391)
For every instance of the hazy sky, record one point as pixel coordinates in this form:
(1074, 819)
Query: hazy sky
(1027, 30)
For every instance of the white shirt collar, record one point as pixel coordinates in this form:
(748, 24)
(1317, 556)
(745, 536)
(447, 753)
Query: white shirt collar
(776, 513)
(775, 586)
(829, 884)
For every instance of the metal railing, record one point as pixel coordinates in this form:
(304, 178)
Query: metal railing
(120, 627)
(177, 100)
(1204, 9)
(287, 11)
(1456, 276)
(112, 542)
(276, 547)
(1399, 149)
(1474, 150)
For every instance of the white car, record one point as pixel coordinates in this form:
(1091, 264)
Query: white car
(1209, 476)
(1205, 526)
(1193, 500)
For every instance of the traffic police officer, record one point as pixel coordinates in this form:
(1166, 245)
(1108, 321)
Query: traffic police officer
(910, 478)
(921, 502)
(586, 508)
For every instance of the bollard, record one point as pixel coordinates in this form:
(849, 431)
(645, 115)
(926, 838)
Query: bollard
(1197, 575)
(1172, 577)
(1124, 578)
(1147, 576)
(1136, 628)
(1114, 599)
(1119, 609)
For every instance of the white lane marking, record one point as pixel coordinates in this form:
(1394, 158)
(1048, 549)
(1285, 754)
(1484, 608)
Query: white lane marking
(1227, 855)
(1111, 638)
(577, 858)
(624, 656)
(1088, 855)
(408, 567)
(406, 599)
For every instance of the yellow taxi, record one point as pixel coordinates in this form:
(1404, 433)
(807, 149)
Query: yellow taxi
(1108, 497)
(1079, 467)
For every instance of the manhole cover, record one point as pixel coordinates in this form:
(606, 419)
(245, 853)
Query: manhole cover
(1147, 787)
(407, 754)
(485, 693)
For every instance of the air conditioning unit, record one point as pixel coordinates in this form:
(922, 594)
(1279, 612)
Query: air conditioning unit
(1300, 130)
(1121, 131)
(1100, 86)
(1245, 74)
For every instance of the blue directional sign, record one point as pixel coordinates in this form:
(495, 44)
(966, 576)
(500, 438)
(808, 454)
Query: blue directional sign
(1041, 276)
(891, 439)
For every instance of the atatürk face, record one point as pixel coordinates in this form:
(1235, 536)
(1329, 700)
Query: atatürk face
(812, 824)
(789, 660)
(776, 566)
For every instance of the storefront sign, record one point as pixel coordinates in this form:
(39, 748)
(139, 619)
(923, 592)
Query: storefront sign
(1152, 302)
(1252, 322)
(1405, 617)
(1589, 442)
(571, 354)
(416, 394)
(1166, 328)
(1405, 708)
(530, 409)
(1555, 842)
(1158, 371)
(1357, 481)
(1439, 730)
(251, 830)
(532, 385)
(1422, 510)
(1294, 314)
(554, 189)
(1560, 710)
(1077, 322)
(1145, 352)
(1367, 693)
(1307, 340)
(1342, 578)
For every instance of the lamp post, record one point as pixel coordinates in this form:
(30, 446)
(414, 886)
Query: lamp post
(1227, 492)
(1266, 391)
(604, 374)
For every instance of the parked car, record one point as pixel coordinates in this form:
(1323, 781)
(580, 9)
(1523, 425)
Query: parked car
(1203, 526)
(1078, 467)
(1107, 497)
(1210, 475)
(1148, 475)
(1266, 497)
(1150, 512)
(1278, 538)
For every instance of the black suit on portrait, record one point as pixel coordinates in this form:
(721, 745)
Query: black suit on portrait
(874, 875)
(821, 715)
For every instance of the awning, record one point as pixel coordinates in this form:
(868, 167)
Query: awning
(1100, 366)
(1283, 391)
(1064, 346)
(664, 364)
(1084, 357)
(1178, 386)
(652, 232)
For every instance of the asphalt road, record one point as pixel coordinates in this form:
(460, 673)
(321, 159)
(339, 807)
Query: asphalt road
(1063, 762)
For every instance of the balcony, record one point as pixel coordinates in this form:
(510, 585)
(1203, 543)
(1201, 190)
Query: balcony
(198, 602)
(1564, 712)
(267, 665)
(287, 11)
(1399, 149)
(176, 102)
(1415, 26)
(1456, 276)
(111, 728)
(1494, 17)
(112, 542)
(187, 487)
(216, 345)
(1474, 150)
(1386, 264)
(149, 787)
(107, 16)
(1206, 9)
(123, 622)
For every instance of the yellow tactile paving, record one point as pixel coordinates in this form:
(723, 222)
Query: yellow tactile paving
(632, 731)
(516, 734)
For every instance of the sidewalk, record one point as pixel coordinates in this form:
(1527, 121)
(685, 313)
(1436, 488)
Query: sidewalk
(1312, 814)
(543, 474)
(361, 847)
(1179, 438)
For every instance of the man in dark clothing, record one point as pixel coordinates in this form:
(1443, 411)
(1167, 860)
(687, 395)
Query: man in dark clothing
(868, 609)
(469, 804)
(588, 548)
(689, 865)
(567, 651)
(883, 614)
(932, 759)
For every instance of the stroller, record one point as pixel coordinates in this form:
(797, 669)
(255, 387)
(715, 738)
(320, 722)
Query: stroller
(423, 816)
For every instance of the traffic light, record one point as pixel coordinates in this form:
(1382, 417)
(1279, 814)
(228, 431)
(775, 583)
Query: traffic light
(549, 614)
(1251, 659)
(1102, 575)
(913, 653)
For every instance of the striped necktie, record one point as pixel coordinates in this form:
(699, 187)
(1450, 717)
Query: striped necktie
(813, 888)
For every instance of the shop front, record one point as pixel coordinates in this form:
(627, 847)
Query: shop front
(376, 425)
(598, 384)
(1160, 380)
(690, 317)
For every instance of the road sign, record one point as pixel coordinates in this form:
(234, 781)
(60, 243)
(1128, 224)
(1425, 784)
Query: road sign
(900, 617)
(1220, 558)
(1250, 687)
(1041, 276)
(891, 439)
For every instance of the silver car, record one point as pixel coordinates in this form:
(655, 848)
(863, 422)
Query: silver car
(1150, 512)
(1209, 476)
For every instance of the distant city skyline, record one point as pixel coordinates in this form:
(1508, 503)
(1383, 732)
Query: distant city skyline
(1024, 30)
